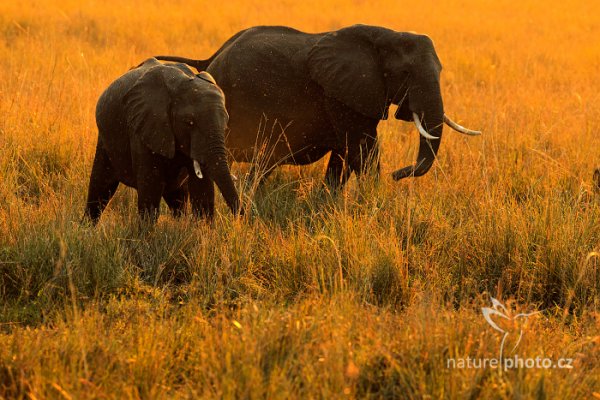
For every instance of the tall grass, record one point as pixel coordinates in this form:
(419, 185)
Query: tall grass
(363, 293)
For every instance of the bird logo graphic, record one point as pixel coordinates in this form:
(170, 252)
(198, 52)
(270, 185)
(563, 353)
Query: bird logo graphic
(506, 328)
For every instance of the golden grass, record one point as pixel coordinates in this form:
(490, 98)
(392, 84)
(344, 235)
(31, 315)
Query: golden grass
(363, 295)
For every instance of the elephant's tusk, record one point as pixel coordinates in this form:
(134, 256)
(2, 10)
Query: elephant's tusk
(459, 128)
(197, 169)
(422, 130)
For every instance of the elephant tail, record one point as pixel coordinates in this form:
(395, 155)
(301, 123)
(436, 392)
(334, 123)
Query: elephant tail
(200, 65)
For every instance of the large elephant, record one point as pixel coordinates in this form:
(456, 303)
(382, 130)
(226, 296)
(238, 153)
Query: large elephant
(295, 96)
(161, 130)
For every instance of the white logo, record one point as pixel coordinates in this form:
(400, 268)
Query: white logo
(499, 309)
(511, 326)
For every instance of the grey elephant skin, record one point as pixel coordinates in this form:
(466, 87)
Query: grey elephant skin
(293, 96)
(161, 131)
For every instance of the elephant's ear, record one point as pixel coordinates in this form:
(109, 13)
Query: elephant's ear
(147, 106)
(345, 63)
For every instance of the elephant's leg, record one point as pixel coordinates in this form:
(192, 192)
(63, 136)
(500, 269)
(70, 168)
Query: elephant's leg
(176, 200)
(202, 196)
(150, 177)
(103, 185)
(363, 155)
(356, 135)
(337, 172)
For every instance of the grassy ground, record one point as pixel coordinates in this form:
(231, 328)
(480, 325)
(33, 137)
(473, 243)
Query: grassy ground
(366, 294)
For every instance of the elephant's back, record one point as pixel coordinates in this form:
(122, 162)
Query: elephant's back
(112, 123)
(268, 50)
(264, 79)
(109, 107)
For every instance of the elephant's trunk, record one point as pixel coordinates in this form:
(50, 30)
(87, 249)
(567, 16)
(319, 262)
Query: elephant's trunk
(218, 170)
(426, 102)
(216, 156)
(211, 154)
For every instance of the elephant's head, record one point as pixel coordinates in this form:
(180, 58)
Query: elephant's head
(368, 68)
(172, 110)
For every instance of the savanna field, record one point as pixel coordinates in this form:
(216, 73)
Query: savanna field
(362, 294)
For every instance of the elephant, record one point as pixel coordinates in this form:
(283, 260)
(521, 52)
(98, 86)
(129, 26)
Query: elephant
(161, 130)
(295, 96)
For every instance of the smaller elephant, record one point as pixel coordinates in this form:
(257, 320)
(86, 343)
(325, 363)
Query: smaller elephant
(161, 130)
